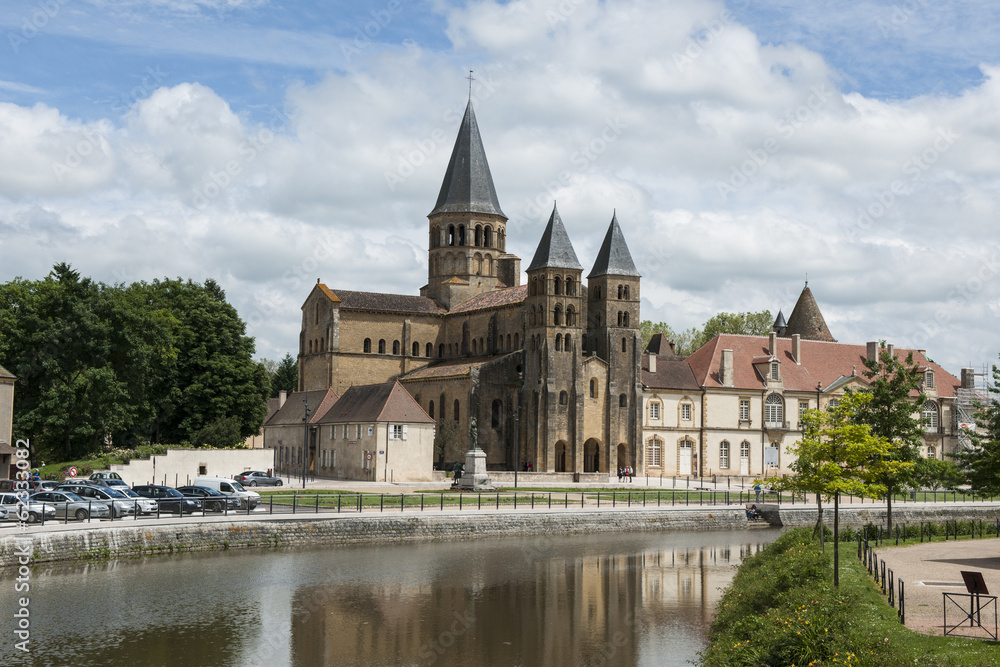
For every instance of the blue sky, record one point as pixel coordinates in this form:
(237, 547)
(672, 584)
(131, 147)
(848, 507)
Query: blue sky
(744, 145)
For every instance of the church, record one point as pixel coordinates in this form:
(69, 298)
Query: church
(548, 372)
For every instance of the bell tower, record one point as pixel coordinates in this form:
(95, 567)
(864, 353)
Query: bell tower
(467, 238)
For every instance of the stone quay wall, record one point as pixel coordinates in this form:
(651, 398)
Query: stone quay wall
(859, 515)
(114, 541)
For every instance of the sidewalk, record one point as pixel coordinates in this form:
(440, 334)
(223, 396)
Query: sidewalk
(931, 569)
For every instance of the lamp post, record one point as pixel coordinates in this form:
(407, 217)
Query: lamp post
(305, 441)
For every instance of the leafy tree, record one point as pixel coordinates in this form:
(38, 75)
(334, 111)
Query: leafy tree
(936, 474)
(839, 454)
(223, 432)
(285, 376)
(894, 414)
(981, 462)
(449, 442)
(686, 342)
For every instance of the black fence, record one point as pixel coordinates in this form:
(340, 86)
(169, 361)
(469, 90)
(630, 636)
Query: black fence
(883, 577)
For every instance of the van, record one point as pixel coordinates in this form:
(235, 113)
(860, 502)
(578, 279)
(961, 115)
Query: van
(230, 487)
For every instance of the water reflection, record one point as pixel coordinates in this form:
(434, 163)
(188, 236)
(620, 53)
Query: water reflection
(629, 599)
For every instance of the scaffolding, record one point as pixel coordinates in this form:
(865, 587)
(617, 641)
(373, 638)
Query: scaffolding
(971, 395)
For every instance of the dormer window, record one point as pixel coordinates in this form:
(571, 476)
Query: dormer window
(929, 379)
(774, 370)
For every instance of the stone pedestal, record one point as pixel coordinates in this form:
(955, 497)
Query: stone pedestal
(474, 477)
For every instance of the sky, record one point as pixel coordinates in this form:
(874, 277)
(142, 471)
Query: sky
(747, 146)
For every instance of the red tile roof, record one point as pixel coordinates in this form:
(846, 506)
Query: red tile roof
(493, 299)
(671, 373)
(451, 368)
(822, 363)
(294, 408)
(386, 402)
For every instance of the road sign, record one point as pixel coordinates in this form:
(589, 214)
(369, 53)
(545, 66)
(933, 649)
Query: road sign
(72, 472)
(368, 455)
(381, 451)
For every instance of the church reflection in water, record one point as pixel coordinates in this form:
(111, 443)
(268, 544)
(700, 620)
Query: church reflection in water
(547, 601)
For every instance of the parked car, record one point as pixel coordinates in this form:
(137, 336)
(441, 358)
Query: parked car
(105, 474)
(212, 500)
(118, 504)
(109, 479)
(69, 504)
(257, 478)
(248, 499)
(142, 504)
(44, 485)
(29, 512)
(169, 500)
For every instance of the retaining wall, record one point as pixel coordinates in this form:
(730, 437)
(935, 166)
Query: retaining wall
(857, 516)
(122, 540)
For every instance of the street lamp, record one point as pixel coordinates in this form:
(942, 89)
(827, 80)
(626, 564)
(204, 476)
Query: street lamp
(305, 441)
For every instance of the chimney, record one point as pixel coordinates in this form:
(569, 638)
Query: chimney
(726, 368)
(282, 397)
(891, 349)
(797, 349)
(968, 378)
(652, 363)
(872, 354)
(772, 343)
(923, 353)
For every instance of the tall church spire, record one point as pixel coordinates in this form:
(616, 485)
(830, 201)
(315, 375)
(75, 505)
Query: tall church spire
(554, 249)
(468, 184)
(614, 258)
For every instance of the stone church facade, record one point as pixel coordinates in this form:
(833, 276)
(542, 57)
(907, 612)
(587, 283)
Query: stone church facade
(549, 370)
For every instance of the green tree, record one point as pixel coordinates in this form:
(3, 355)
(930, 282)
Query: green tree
(687, 342)
(223, 432)
(937, 474)
(214, 375)
(893, 413)
(449, 442)
(981, 462)
(285, 376)
(839, 454)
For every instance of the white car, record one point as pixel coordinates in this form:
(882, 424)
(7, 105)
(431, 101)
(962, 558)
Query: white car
(142, 504)
(29, 512)
(230, 487)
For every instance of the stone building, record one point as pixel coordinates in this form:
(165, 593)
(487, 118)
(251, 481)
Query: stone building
(736, 403)
(7, 449)
(548, 369)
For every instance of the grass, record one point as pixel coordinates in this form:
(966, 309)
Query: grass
(782, 609)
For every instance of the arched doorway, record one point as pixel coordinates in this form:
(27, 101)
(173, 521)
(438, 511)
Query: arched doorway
(622, 456)
(560, 456)
(591, 456)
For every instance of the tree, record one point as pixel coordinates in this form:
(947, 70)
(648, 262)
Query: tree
(839, 454)
(285, 376)
(981, 462)
(449, 442)
(937, 474)
(894, 414)
(686, 342)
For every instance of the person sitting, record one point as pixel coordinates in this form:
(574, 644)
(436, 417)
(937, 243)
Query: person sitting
(755, 515)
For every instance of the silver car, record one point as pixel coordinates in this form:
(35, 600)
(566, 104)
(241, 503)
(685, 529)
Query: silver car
(142, 504)
(119, 504)
(29, 512)
(67, 504)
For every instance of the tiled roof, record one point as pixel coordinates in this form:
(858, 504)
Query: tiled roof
(294, 408)
(614, 258)
(387, 303)
(4, 373)
(822, 363)
(326, 290)
(671, 373)
(554, 249)
(386, 402)
(493, 299)
(450, 368)
(468, 184)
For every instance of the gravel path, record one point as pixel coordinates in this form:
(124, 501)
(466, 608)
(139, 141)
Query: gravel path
(929, 570)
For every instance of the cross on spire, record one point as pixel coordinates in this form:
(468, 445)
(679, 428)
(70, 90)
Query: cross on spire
(471, 79)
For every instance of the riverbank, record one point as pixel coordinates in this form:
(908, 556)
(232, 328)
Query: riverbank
(126, 538)
(782, 609)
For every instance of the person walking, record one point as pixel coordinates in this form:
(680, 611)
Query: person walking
(756, 490)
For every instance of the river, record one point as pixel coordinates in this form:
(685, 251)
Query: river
(631, 599)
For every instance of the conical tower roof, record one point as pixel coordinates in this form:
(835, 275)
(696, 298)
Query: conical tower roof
(779, 321)
(468, 184)
(614, 258)
(806, 319)
(555, 250)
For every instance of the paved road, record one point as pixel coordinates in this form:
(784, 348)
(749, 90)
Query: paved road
(929, 570)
